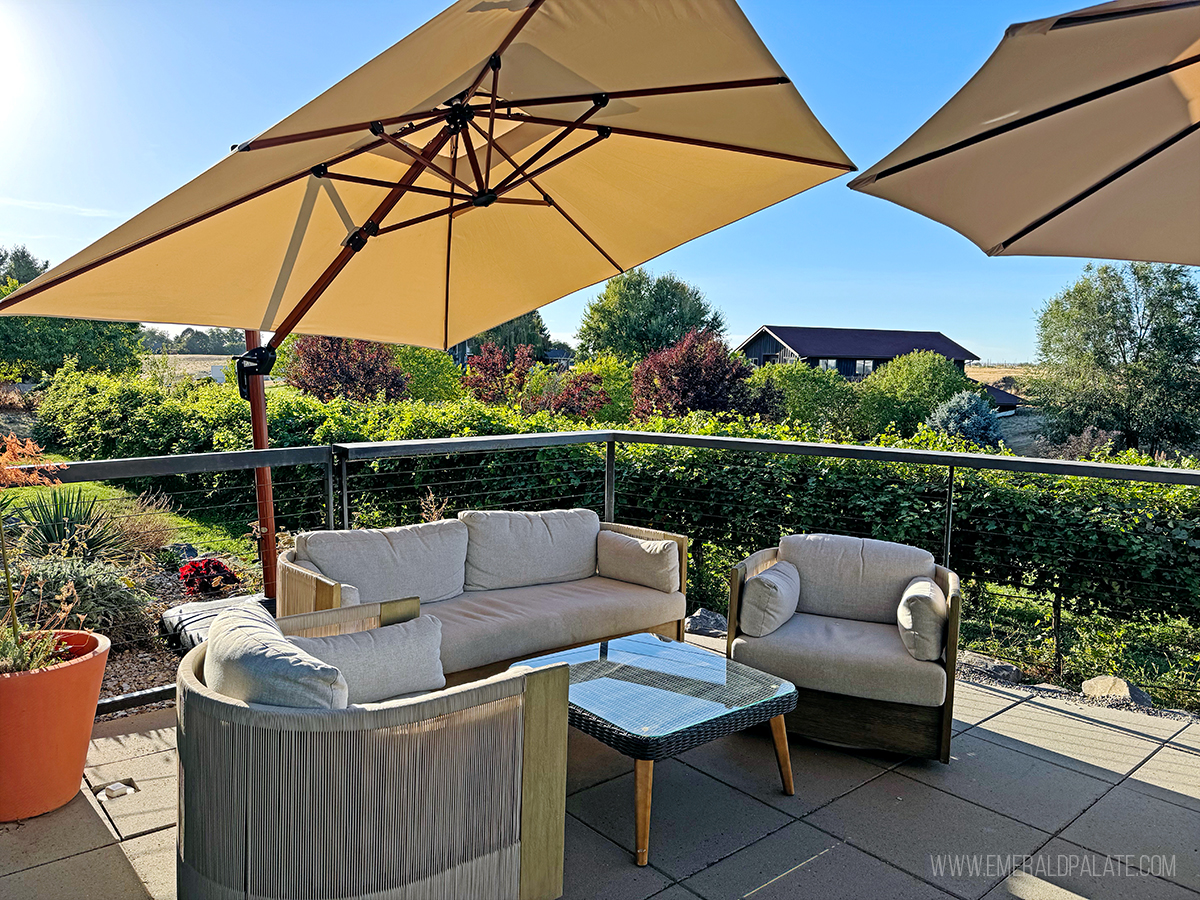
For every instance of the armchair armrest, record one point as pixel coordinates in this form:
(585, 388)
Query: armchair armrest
(948, 582)
(301, 590)
(749, 567)
(349, 619)
(652, 534)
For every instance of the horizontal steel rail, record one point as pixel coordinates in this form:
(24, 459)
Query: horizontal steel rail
(186, 464)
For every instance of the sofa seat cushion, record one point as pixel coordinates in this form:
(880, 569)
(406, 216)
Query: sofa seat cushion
(484, 627)
(853, 578)
(513, 549)
(385, 564)
(844, 656)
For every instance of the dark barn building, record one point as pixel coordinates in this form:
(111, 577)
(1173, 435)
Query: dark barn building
(854, 352)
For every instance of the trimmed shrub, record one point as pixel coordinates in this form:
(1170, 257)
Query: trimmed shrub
(969, 416)
(906, 391)
(818, 397)
(432, 374)
(101, 597)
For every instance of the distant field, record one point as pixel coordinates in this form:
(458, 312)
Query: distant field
(993, 374)
(196, 363)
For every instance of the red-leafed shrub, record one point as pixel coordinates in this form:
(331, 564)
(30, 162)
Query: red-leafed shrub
(329, 367)
(579, 394)
(207, 576)
(491, 378)
(700, 374)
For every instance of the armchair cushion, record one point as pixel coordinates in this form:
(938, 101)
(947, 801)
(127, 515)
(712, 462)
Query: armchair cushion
(249, 659)
(843, 656)
(922, 617)
(514, 549)
(653, 564)
(853, 578)
(384, 662)
(769, 599)
(423, 561)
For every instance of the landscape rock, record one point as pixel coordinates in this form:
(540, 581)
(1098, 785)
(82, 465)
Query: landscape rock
(1112, 687)
(993, 668)
(706, 622)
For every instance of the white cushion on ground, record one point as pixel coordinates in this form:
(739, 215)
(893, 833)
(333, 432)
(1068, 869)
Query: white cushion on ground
(423, 561)
(484, 627)
(651, 563)
(249, 659)
(350, 595)
(922, 617)
(769, 599)
(853, 578)
(512, 549)
(384, 662)
(842, 656)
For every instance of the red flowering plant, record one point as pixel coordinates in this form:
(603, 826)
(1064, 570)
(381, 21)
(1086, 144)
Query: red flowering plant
(207, 576)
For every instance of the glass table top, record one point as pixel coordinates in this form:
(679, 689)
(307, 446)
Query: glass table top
(650, 686)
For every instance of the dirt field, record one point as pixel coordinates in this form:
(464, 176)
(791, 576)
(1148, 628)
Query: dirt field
(196, 363)
(1005, 377)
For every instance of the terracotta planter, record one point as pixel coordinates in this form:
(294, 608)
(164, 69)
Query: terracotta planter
(45, 725)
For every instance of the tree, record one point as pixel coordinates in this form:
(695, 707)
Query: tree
(1120, 350)
(616, 378)
(20, 265)
(432, 374)
(492, 379)
(328, 367)
(700, 373)
(637, 314)
(526, 330)
(969, 416)
(191, 340)
(906, 390)
(818, 397)
(156, 340)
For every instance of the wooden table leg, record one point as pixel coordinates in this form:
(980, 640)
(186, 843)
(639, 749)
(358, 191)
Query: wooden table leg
(643, 782)
(779, 733)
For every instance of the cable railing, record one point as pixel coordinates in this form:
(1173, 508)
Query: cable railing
(1074, 538)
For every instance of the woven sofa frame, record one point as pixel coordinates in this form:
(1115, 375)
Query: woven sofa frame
(922, 731)
(302, 591)
(459, 793)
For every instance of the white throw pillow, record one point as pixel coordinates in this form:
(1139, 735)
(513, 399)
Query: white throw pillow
(384, 662)
(654, 564)
(249, 659)
(769, 599)
(513, 549)
(922, 617)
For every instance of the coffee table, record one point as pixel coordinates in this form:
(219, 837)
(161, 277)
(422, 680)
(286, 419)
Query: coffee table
(650, 698)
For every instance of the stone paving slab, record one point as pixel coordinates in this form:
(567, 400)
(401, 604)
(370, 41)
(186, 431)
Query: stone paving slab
(1023, 787)
(589, 762)
(694, 819)
(801, 861)
(118, 744)
(1155, 728)
(153, 805)
(1172, 774)
(594, 868)
(152, 857)
(926, 832)
(1189, 737)
(76, 828)
(104, 872)
(1065, 737)
(975, 702)
(1128, 823)
(747, 762)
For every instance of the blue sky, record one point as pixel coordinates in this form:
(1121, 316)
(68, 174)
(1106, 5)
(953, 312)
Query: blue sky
(110, 105)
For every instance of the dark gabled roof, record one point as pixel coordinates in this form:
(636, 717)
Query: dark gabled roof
(861, 343)
(1001, 396)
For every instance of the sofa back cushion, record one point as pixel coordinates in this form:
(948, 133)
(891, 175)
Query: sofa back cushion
(853, 578)
(425, 561)
(249, 659)
(653, 564)
(922, 618)
(769, 599)
(382, 663)
(514, 549)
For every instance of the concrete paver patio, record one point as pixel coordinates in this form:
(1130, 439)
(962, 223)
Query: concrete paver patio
(1088, 802)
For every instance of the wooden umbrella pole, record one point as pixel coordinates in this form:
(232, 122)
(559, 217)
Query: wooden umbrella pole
(262, 475)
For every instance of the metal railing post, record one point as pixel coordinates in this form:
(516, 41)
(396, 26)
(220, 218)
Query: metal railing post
(330, 513)
(949, 517)
(345, 496)
(610, 480)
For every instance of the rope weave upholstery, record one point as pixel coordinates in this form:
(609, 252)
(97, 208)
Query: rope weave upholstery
(417, 798)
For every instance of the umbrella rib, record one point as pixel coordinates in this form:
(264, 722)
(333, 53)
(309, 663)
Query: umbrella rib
(1065, 106)
(487, 166)
(377, 182)
(1072, 21)
(551, 202)
(427, 217)
(333, 131)
(471, 157)
(449, 243)
(554, 162)
(30, 291)
(504, 45)
(1098, 186)
(555, 141)
(426, 162)
(655, 92)
(678, 139)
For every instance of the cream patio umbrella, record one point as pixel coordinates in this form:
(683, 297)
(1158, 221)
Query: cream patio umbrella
(1078, 137)
(502, 156)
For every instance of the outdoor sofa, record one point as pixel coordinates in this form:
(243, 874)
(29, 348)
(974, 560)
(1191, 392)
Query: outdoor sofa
(300, 791)
(866, 630)
(506, 585)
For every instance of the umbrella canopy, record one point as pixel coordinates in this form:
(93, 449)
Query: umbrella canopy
(500, 157)
(1078, 137)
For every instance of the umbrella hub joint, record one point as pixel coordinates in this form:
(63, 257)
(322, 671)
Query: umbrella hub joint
(358, 239)
(458, 116)
(258, 361)
(486, 198)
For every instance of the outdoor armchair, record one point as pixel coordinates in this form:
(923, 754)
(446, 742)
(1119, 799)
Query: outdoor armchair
(455, 793)
(860, 683)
